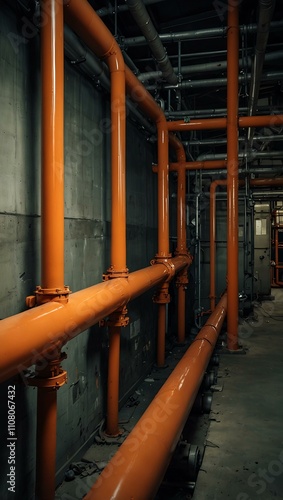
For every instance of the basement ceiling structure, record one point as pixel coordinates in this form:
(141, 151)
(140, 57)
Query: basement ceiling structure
(193, 35)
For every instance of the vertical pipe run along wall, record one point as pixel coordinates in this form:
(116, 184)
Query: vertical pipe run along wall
(232, 174)
(52, 226)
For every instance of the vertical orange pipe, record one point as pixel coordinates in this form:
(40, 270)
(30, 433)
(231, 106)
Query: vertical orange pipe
(163, 232)
(113, 381)
(118, 161)
(163, 189)
(232, 174)
(181, 233)
(84, 20)
(46, 443)
(52, 222)
(181, 247)
(52, 211)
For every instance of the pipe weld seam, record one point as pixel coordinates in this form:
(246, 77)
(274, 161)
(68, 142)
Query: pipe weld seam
(204, 338)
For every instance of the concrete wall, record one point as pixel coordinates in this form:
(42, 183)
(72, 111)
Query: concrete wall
(81, 403)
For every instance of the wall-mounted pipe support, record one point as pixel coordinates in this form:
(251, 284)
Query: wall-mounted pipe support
(155, 437)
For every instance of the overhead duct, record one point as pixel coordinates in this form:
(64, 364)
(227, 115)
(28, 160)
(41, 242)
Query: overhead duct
(145, 24)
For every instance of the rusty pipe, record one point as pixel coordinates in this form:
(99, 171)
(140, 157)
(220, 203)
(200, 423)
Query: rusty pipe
(49, 326)
(154, 438)
(52, 137)
(232, 175)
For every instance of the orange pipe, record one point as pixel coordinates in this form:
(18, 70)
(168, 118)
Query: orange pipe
(83, 19)
(52, 204)
(161, 330)
(261, 121)
(221, 123)
(202, 124)
(154, 438)
(52, 223)
(46, 443)
(181, 232)
(232, 175)
(200, 165)
(112, 428)
(163, 189)
(49, 326)
(87, 24)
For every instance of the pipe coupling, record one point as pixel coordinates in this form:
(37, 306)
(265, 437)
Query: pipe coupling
(167, 262)
(43, 295)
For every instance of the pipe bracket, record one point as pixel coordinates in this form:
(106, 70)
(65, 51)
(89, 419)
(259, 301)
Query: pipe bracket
(111, 273)
(51, 376)
(117, 318)
(43, 295)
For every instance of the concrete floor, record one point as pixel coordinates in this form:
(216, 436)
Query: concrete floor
(245, 458)
(243, 435)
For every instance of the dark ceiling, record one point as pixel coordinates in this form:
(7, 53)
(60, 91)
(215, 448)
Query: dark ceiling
(201, 91)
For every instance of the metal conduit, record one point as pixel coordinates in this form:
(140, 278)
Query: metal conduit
(251, 156)
(145, 24)
(214, 82)
(138, 467)
(104, 11)
(208, 67)
(197, 34)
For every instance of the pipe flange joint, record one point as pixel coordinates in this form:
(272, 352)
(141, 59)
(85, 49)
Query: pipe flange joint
(49, 382)
(166, 261)
(43, 295)
(118, 318)
(112, 273)
(51, 376)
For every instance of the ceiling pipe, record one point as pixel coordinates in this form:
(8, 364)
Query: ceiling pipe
(221, 123)
(266, 9)
(215, 141)
(208, 67)
(250, 156)
(214, 82)
(207, 113)
(155, 436)
(207, 172)
(197, 34)
(145, 24)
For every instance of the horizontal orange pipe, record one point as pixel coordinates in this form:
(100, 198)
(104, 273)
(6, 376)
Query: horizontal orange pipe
(200, 165)
(138, 467)
(49, 326)
(201, 124)
(221, 123)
